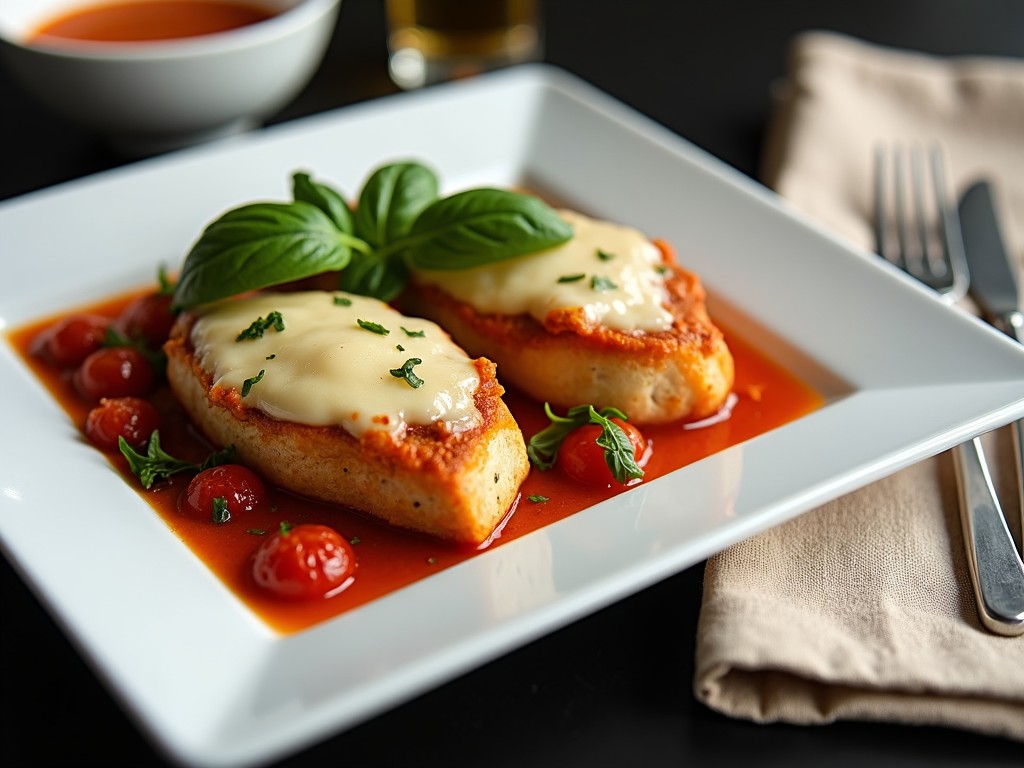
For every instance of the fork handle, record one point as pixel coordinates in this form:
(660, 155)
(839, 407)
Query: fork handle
(997, 572)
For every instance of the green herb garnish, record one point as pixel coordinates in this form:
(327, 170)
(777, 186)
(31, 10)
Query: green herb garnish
(599, 283)
(157, 464)
(374, 327)
(342, 301)
(536, 498)
(221, 513)
(399, 222)
(413, 334)
(604, 255)
(406, 372)
(261, 325)
(247, 385)
(618, 450)
(571, 278)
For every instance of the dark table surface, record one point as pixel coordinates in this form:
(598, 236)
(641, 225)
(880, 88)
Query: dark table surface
(613, 688)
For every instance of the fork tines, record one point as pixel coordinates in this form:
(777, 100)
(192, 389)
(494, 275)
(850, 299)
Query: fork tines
(916, 224)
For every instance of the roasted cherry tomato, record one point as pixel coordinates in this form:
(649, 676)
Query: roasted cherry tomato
(148, 318)
(132, 418)
(114, 372)
(305, 562)
(74, 338)
(582, 459)
(222, 493)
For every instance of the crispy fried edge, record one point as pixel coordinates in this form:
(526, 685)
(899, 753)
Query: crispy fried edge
(455, 485)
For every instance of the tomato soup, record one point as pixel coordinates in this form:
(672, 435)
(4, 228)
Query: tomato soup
(147, 20)
(766, 396)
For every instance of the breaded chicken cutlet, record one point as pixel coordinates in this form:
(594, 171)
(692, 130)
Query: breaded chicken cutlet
(608, 319)
(340, 398)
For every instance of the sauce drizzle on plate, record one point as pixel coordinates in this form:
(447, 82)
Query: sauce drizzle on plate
(767, 397)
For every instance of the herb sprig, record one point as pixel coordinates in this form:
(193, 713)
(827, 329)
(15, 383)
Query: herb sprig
(398, 222)
(158, 465)
(618, 450)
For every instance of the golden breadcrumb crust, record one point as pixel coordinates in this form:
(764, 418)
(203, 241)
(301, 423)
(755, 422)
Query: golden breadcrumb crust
(686, 372)
(456, 486)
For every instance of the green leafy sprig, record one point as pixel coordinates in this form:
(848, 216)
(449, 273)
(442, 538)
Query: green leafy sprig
(618, 450)
(398, 222)
(158, 465)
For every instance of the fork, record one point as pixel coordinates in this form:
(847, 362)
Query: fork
(922, 237)
(934, 255)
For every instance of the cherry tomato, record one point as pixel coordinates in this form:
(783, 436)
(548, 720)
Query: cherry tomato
(74, 338)
(308, 561)
(148, 318)
(114, 372)
(240, 488)
(582, 459)
(132, 418)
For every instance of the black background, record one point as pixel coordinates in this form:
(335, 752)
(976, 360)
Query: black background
(613, 688)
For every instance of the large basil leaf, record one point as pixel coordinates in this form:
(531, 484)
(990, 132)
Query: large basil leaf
(377, 275)
(259, 245)
(390, 201)
(324, 198)
(480, 226)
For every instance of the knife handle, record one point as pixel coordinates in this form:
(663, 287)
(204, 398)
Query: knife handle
(1012, 324)
(997, 572)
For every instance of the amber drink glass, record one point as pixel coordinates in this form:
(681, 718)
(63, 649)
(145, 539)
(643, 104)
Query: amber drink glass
(430, 41)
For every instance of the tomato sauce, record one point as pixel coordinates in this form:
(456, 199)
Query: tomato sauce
(767, 396)
(148, 20)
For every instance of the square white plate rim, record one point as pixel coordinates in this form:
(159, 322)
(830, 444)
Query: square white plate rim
(905, 378)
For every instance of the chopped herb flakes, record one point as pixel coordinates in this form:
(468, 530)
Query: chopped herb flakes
(413, 334)
(604, 255)
(261, 325)
(599, 283)
(248, 383)
(571, 278)
(342, 301)
(399, 347)
(221, 513)
(406, 372)
(373, 327)
(536, 498)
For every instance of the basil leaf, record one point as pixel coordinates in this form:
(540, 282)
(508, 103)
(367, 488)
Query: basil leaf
(480, 226)
(618, 452)
(378, 275)
(390, 201)
(543, 447)
(259, 245)
(158, 465)
(324, 198)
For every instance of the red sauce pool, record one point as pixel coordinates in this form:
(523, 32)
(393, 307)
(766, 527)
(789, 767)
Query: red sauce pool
(149, 20)
(768, 397)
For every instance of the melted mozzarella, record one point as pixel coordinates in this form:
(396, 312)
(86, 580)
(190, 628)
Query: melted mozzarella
(324, 368)
(609, 270)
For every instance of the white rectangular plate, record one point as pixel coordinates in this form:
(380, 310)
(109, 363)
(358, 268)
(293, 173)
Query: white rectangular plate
(904, 376)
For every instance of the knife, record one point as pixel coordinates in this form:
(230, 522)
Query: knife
(996, 569)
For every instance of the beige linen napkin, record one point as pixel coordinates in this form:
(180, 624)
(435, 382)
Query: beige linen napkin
(863, 609)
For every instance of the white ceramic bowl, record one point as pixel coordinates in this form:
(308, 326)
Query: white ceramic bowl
(152, 97)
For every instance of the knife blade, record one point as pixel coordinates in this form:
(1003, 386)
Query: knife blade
(993, 284)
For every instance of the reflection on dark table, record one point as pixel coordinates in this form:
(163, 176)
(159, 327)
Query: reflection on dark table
(613, 688)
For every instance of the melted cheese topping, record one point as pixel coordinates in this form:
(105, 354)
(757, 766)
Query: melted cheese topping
(609, 270)
(324, 368)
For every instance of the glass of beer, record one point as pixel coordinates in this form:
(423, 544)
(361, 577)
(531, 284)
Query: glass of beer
(434, 40)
